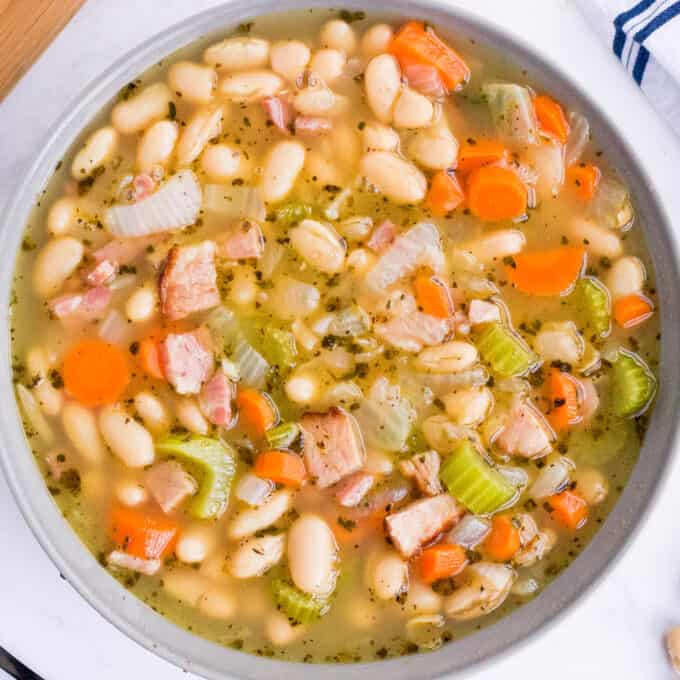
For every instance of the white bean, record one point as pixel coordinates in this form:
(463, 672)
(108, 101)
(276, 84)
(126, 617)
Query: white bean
(382, 79)
(315, 101)
(195, 544)
(80, 426)
(218, 603)
(49, 398)
(591, 484)
(328, 64)
(312, 555)
(129, 441)
(281, 631)
(289, 58)
(339, 35)
(57, 260)
(250, 86)
(141, 305)
(412, 110)
(152, 412)
(247, 522)
(131, 493)
(560, 342)
(398, 179)
(157, 144)
(434, 148)
(61, 217)
(281, 169)
(389, 576)
(302, 387)
(421, 599)
(221, 161)
(319, 245)
(496, 245)
(469, 406)
(256, 556)
(185, 585)
(449, 357)
(376, 40)
(379, 137)
(626, 277)
(189, 415)
(192, 82)
(136, 113)
(203, 126)
(98, 148)
(237, 54)
(597, 239)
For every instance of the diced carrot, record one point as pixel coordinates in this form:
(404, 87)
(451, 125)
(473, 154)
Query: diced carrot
(415, 43)
(632, 310)
(95, 372)
(584, 179)
(445, 193)
(149, 357)
(442, 561)
(482, 152)
(547, 272)
(281, 467)
(551, 117)
(141, 534)
(563, 400)
(432, 296)
(569, 509)
(495, 193)
(503, 540)
(256, 411)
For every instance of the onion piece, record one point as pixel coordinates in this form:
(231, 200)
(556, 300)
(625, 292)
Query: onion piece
(234, 201)
(174, 206)
(32, 413)
(517, 476)
(291, 298)
(113, 327)
(512, 110)
(254, 490)
(469, 532)
(579, 136)
(551, 479)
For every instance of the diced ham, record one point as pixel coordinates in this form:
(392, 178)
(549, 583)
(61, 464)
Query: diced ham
(382, 237)
(169, 484)
(114, 254)
(143, 186)
(186, 362)
(312, 126)
(333, 447)
(525, 432)
(425, 79)
(102, 273)
(351, 490)
(189, 281)
(424, 469)
(481, 311)
(414, 331)
(420, 522)
(216, 397)
(245, 242)
(121, 559)
(280, 112)
(85, 306)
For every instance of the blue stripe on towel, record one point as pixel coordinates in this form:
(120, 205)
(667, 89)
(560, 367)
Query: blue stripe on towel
(657, 22)
(622, 18)
(640, 64)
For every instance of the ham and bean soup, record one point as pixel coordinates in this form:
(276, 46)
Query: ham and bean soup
(335, 339)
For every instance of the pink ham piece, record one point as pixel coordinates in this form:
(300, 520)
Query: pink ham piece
(481, 311)
(280, 112)
(84, 306)
(333, 447)
(244, 243)
(143, 186)
(102, 273)
(185, 361)
(423, 468)
(382, 237)
(121, 559)
(312, 126)
(169, 484)
(216, 397)
(420, 522)
(351, 490)
(189, 281)
(526, 432)
(114, 254)
(425, 79)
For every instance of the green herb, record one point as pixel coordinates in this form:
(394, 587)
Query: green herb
(347, 524)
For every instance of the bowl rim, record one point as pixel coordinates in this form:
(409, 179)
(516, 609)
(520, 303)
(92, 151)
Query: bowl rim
(198, 655)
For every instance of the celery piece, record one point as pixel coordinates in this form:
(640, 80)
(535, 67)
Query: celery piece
(633, 385)
(504, 351)
(282, 436)
(298, 606)
(278, 347)
(592, 300)
(293, 212)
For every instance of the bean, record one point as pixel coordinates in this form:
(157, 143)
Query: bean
(379, 137)
(237, 54)
(496, 245)
(360, 260)
(389, 576)
(141, 305)
(80, 426)
(153, 413)
(243, 289)
(195, 544)
(339, 35)
(218, 603)
(421, 599)
(138, 112)
(256, 556)
(221, 161)
(433, 148)
(189, 415)
(412, 110)
(356, 228)
(312, 555)
(203, 126)
(98, 148)
(281, 631)
(560, 343)
(315, 101)
(597, 239)
(302, 387)
(281, 169)
(193, 82)
(382, 79)
(470, 406)
(376, 40)
(131, 493)
(129, 441)
(250, 86)
(304, 337)
(394, 177)
(626, 277)
(57, 260)
(185, 585)
(61, 219)
(247, 522)
(289, 58)
(319, 245)
(156, 145)
(328, 64)
(591, 484)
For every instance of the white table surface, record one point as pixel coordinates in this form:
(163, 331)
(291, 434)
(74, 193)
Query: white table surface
(615, 633)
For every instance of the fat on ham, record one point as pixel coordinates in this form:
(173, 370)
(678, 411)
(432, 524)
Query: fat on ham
(423, 468)
(215, 399)
(351, 490)
(279, 111)
(243, 243)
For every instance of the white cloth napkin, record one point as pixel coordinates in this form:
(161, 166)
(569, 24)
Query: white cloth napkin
(645, 36)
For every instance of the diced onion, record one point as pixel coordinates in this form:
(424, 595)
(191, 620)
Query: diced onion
(470, 531)
(113, 327)
(579, 136)
(551, 479)
(254, 490)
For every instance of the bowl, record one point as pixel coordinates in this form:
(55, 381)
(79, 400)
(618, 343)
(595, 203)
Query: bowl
(195, 654)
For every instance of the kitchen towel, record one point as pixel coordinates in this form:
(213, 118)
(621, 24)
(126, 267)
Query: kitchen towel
(645, 36)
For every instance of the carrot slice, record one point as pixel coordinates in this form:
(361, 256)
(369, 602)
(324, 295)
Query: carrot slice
(140, 534)
(551, 117)
(584, 179)
(256, 411)
(569, 509)
(445, 193)
(413, 43)
(96, 372)
(442, 561)
(149, 357)
(481, 152)
(433, 296)
(632, 310)
(281, 467)
(503, 540)
(495, 193)
(563, 398)
(547, 272)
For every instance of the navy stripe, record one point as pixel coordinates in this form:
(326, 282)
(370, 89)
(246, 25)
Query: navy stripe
(640, 64)
(619, 42)
(622, 18)
(657, 22)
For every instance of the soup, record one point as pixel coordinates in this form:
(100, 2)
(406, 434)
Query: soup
(335, 339)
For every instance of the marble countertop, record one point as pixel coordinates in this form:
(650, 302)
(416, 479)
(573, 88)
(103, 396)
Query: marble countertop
(616, 632)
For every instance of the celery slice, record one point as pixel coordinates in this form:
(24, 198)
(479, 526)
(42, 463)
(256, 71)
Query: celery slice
(278, 347)
(472, 481)
(282, 436)
(217, 463)
(593, 302)
(298, 606)
(293, 212)
(633, 385)
(504, 351)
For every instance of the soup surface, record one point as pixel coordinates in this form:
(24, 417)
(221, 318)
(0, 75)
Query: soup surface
(335, 339)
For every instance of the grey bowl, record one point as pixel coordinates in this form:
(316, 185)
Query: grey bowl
(195, 654)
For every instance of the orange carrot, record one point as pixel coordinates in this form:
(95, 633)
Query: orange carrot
(563, 398)
(415, 43)
(584, 179)
(433, 296)
(149, 357)
(632, 310)
(442, 561)
(495, 193)
(551, 118)
(503, 540)
(482, 152)
(547, 272)
(141, 534)
(256, 411)
(569, 509)
(281, 467)
(95, 372)
(445, 193)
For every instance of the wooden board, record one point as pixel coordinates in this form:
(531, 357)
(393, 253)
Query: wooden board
(27, 27)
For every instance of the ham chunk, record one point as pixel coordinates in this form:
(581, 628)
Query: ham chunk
(333, 447)
(121, 559)
(481, 311)
(312, 126)
(102, 273)
(351, 490)
(424, 469)
(115, 254)
(186, 362)
(382, 237)
(280, 112)
(169, 484)
(420, 522)
(189, 281)
(414, 331)
(244, 243)
(525, 433)
(86, 306)
(216, 397)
